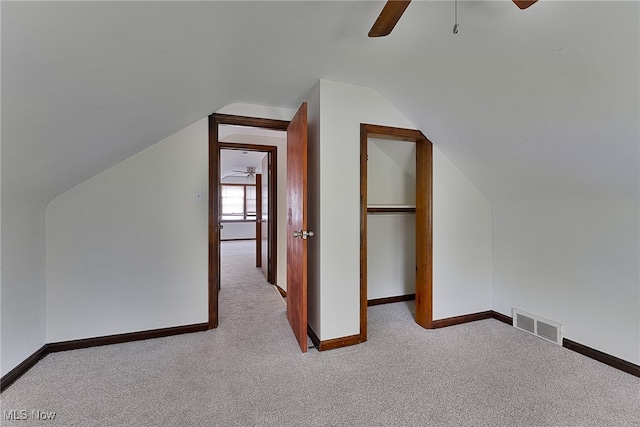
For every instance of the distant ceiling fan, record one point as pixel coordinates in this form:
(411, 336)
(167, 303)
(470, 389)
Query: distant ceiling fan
(394, 9)
(250, 173)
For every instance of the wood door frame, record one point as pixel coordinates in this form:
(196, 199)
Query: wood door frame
(259, 220)
(214, 194)
(424, 220)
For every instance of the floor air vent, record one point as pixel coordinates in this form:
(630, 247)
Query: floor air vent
(536, 325)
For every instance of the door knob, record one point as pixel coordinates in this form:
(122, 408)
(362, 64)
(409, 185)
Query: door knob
(303, 234)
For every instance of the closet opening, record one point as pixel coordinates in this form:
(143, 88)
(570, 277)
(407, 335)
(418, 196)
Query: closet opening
(395, 220)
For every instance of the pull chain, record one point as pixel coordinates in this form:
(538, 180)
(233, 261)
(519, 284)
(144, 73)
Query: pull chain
(455, 26)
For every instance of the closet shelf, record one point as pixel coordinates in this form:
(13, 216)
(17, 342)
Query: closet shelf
(391, 209)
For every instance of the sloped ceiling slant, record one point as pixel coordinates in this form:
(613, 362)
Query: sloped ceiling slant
(542, 102)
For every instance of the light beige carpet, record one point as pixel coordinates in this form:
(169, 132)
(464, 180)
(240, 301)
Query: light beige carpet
(250, 372)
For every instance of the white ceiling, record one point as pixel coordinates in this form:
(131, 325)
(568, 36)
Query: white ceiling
(232, 161)
(535, 103)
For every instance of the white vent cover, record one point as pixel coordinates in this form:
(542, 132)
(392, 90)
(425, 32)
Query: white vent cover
(536, 325)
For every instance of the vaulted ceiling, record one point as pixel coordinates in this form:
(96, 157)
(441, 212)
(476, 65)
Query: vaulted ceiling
(536, 103)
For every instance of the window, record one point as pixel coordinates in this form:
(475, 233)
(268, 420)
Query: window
(250, 202)
(238, 202)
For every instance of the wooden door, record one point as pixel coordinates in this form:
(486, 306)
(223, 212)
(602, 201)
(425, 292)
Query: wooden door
(264, 220)
(297, 232)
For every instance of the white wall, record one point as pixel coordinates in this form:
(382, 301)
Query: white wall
(127, 249)
(23, 278)
(238, 230)
(387, 182)
(574, 261)
(462, 243)
(391, 255)
(462, 225)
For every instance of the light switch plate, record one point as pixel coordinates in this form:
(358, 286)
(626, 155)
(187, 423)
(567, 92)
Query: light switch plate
(198, 196)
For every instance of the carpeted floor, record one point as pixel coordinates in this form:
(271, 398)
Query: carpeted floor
(250, 372)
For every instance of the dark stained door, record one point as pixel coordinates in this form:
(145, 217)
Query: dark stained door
(297, 232)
